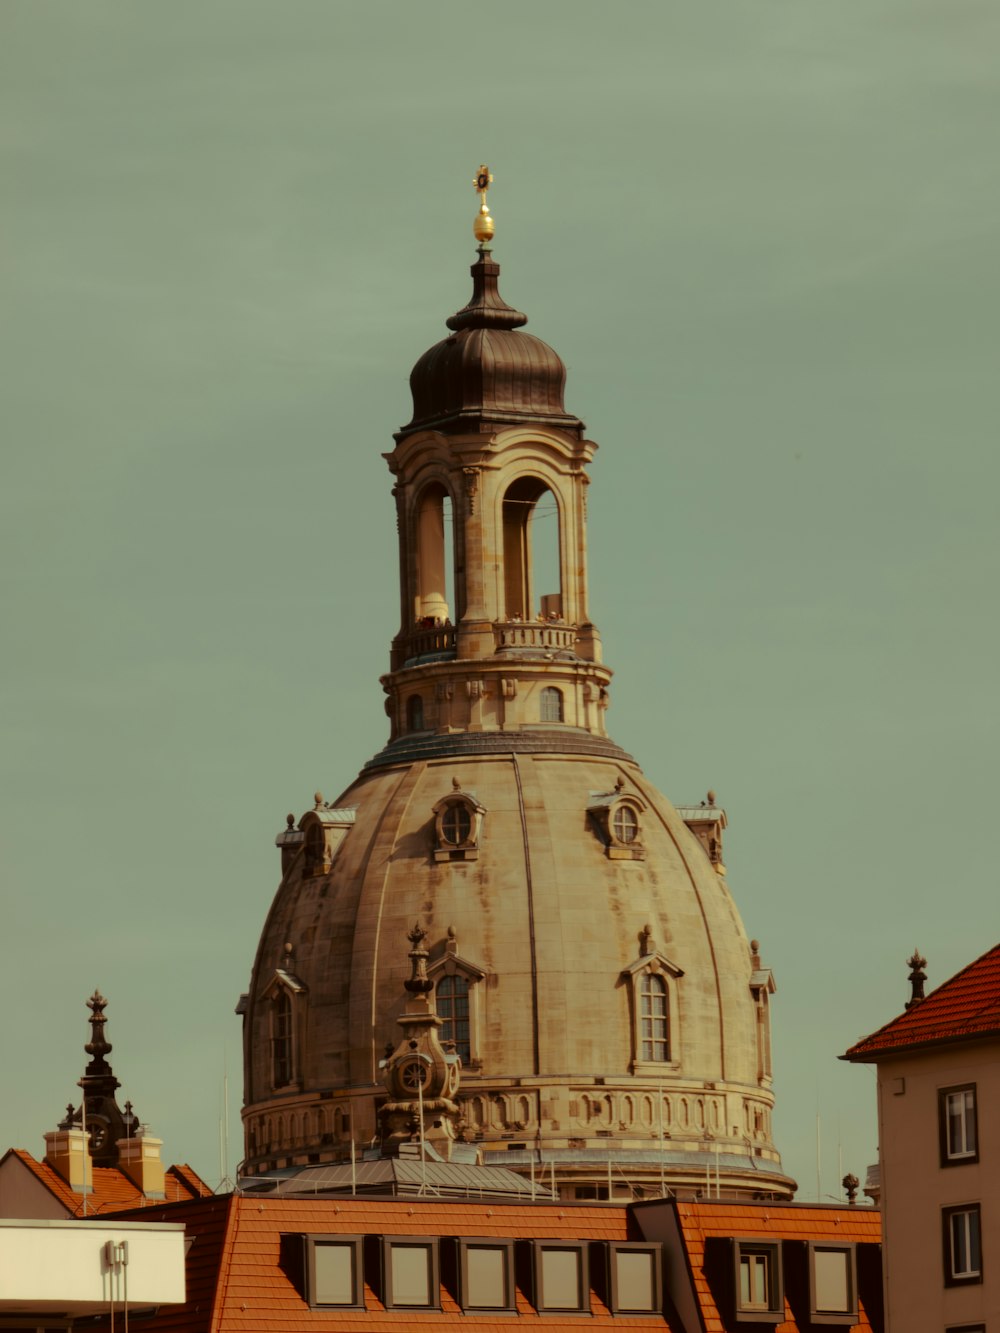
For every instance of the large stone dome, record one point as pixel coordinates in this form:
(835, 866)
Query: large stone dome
(587, 962)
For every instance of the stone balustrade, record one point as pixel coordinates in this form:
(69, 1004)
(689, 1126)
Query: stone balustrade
(545, 635)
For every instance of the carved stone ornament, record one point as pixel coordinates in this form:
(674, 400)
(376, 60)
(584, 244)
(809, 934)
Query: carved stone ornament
(471, 486)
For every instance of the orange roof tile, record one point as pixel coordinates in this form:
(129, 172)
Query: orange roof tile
(967, 1005)
(237, 1282)
(704, 1220)
(111, 1189)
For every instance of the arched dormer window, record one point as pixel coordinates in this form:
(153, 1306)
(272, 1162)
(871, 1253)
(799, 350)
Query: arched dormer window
(285, 1000)
(458, 822)
(617, 817)
(654, 1034)
(282, 1039)
(451, 996)
(650, 983)
(414, 713)
(552, 704)
(315, 849)
(457, 993)
(324, 828)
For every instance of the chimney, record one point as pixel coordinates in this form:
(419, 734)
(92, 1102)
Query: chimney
(68, 1153)
(139, 1158)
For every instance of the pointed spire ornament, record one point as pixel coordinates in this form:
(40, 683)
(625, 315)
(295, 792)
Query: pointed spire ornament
(484, 226)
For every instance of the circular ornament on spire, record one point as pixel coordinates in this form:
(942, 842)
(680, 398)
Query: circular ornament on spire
(484, 226)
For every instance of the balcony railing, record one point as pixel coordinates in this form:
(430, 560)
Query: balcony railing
(430, 640)
(515, 635)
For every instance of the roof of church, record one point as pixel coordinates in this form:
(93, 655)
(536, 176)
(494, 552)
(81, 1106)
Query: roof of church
(486, 373)
(965, 1006)
(112, 1190)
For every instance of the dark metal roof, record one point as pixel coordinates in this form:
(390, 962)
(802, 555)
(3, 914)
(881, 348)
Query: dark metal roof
(485, 374)
(394, 1176)
(564, 740)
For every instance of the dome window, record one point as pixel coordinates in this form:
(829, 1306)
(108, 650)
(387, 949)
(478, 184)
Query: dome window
(323, 829)
(285, 1000)
(617, 817)
(552, 705)
(456, 824)
(457, 983)
(452, 999)
(650, 983)
(414, 713)
(458, 821)
(625, 824)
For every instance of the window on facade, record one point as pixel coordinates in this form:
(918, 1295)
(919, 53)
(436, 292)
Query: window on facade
(411, 1274)
(561, 1279)
(757, 1279)
(333, 1271)
(959, 1135)
(833, 1284)
(552, 704)
(414, 713)
(962, 1251)
(315, 847)
(634, 1272)
(452, 995)
(486, 1273)
(281, 1039)
(625, 824)
(653, 1018)
(456, 824)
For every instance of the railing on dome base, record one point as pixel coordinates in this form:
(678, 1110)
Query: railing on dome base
(543, 635)
(430, 641)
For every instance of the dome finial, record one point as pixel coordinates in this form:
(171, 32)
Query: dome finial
(484, 226)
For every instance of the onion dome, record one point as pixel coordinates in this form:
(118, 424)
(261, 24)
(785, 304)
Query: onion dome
(486, 374)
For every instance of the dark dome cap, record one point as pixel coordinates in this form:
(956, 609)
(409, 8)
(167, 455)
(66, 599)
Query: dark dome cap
(487, 375)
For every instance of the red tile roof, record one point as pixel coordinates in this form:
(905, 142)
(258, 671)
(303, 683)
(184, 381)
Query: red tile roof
(702, 1221)
(112, 1190)
(236, 1281)
(967, 1005)
(208, 1223)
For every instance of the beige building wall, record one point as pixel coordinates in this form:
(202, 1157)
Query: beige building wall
(916, 1188)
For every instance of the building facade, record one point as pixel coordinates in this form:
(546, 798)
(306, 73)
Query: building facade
(939, 1151)
(587, 962)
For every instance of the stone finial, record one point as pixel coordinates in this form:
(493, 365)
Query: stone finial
(451, 942)
(755, 954)
(850, 1184)
(318, 798)
(917, 977)
(418, 982)
(647, 944)
(620, 783)
(99, 1109)
(456, 785)
(290, 821)
(420, 1075)
(711, 797)
(98, 1047)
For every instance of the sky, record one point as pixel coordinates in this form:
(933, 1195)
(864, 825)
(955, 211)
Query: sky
(762, 238)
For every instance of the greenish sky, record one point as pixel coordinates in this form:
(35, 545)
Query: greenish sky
(762, 237)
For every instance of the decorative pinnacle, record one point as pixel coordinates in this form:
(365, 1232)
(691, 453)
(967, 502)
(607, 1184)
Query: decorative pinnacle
(916, 978)
(418, 983)
(484, 226)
